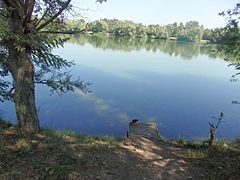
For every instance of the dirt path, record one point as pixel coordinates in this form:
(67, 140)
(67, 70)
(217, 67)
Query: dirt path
(160, 160)
(153, 159)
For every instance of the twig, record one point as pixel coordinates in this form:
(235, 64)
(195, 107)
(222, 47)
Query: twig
(213, 128)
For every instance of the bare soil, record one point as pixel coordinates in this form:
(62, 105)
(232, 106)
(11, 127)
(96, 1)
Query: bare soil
(55, 155)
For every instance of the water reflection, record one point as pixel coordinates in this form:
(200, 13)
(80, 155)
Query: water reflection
(146, 79)
(184, 50)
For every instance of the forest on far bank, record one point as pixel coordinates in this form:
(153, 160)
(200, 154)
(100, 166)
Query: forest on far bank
(191, 31)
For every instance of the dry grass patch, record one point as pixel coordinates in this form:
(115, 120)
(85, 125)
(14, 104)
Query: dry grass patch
(65, 155)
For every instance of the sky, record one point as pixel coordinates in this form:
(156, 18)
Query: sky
(158, 11)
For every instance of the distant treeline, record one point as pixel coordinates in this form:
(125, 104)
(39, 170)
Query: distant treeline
(191, 31)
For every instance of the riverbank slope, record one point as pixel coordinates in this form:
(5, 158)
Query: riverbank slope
(62, 155)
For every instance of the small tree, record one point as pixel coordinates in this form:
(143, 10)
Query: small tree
(213, 128)
(231, 34)
(231, 40)
(29, 30)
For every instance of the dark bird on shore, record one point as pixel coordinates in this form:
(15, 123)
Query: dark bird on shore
(133, 121)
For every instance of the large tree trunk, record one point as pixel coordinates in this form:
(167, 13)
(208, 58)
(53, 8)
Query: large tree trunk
(22, 70)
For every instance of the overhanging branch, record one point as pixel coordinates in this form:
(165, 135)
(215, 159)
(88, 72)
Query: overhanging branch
(64, 84)
(65, 32)
(65, 5)
(43, 16)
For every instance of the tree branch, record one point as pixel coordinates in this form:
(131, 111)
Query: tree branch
(16, 5)
(9, 3)
(63, 84)
(65, 5)
(29, 6)
(65, 32)
(3, 15)
(43, 16)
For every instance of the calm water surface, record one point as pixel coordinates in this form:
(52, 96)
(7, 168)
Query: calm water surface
(178, 85)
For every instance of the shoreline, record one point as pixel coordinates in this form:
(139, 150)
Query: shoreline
(53, 154)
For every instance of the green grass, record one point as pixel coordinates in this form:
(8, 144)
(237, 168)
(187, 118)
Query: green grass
(68, 155)
(55, 154)
(200, 148)
(77, 137)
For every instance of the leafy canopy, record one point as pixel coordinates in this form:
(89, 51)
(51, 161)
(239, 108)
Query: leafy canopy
(37, 27)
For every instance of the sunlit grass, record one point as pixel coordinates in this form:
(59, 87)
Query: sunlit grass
(64, 154)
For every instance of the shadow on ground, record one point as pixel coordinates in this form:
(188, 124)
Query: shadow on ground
(55, 155)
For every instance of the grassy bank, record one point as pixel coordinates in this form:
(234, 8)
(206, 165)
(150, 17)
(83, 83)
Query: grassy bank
(63, 155)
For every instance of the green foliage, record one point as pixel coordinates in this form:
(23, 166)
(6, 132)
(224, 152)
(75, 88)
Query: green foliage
(230, 38)
(37, 33)
(4, 28)
(84, 139)
(76, 25)
(191, 32)
(29, 31)
(231, 32)
(98, 26)
(181, 139)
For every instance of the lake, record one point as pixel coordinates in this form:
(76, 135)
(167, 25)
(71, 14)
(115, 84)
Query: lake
(178, 85)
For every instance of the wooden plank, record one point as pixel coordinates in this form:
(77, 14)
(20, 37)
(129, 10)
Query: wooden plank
(143, 129)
